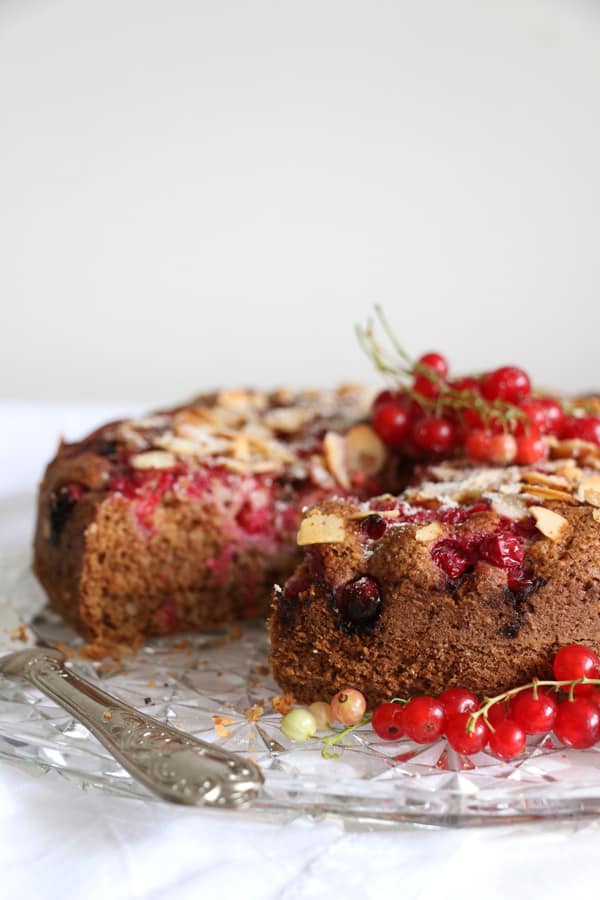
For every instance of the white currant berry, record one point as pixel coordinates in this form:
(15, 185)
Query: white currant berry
(299, 724)
(323, 714)
(348, 706)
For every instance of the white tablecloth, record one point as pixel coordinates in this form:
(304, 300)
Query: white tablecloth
(56, 841)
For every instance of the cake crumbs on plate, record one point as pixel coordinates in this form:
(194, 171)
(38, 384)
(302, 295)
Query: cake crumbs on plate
(282, 703)
(181, 644)
(255, 712)
(19, 633)
(220, 725)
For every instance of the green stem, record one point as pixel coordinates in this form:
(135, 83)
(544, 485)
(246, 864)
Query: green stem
(339, 736)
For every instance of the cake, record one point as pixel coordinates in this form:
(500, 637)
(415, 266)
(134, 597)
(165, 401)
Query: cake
(446, 535)
(473, 577)
(186, 518)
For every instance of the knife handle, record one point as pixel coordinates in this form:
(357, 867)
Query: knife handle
(172, 764)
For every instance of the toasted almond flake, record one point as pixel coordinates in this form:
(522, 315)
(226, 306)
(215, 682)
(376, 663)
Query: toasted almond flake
(428, 533)
(591, 497)
(574, 448)
(180, 446)
(546, 493)
(508, 505)
(592, 482)
(544, 479)
(550, 523)
(321, 528)
(288, 420)
(153, 459)
(365, 451)
(334, 448)
(596, 515)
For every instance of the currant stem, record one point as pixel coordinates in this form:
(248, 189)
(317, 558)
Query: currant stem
(532, 685)
(339, 736)
(448, 397)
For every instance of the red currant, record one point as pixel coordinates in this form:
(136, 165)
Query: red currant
(577, 661)
(507, 383)
(373, 526)
(577, 723)
(462, 740)
(502, 550)
(545, 413)
(458, 700)
(508, 739)
(384, 397)
(503, 449)
(388, 721)
(430, 386)
(436, 362)
(594, 696)
(433, 434)
(497, 713)
(585, 428)
(451, 558)
(531, 447)
(478, 444)
(535, 715)
(390, 421)
(424, 720)
(468, 383)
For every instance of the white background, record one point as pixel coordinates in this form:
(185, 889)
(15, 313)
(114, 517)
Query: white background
(196, 193)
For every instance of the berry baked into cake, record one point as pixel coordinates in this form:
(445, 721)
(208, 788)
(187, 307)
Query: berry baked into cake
(185, 519)
(477, 572)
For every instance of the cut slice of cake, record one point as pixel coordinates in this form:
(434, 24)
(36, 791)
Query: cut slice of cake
(185, 519)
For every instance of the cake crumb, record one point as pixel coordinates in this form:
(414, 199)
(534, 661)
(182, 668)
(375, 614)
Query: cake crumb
(107, 714)
(19, 633)
(263, 670)
(282, 703)
(181, 644)
(235, 633)
(255, 712)
(220, 725)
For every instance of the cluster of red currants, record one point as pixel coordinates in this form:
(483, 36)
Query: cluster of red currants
(502, 723)
(494, 417)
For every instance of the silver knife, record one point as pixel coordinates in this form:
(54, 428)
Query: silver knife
(171, 763)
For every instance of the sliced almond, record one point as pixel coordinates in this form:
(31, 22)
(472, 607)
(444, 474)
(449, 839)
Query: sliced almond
(508, 505)
(365, 451)
(321, 528)
(574, 448)
(334, 448)
(542, 478)
(591, 497)
(546, 493)
(153, 459)
(428, 533)
(592, 482)
(596, 515)
(550, 523)
(287, 420)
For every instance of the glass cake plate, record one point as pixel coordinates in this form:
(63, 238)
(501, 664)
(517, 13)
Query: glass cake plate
(217, 687)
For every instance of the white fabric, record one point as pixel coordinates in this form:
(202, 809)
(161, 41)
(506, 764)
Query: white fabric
(57, 841)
